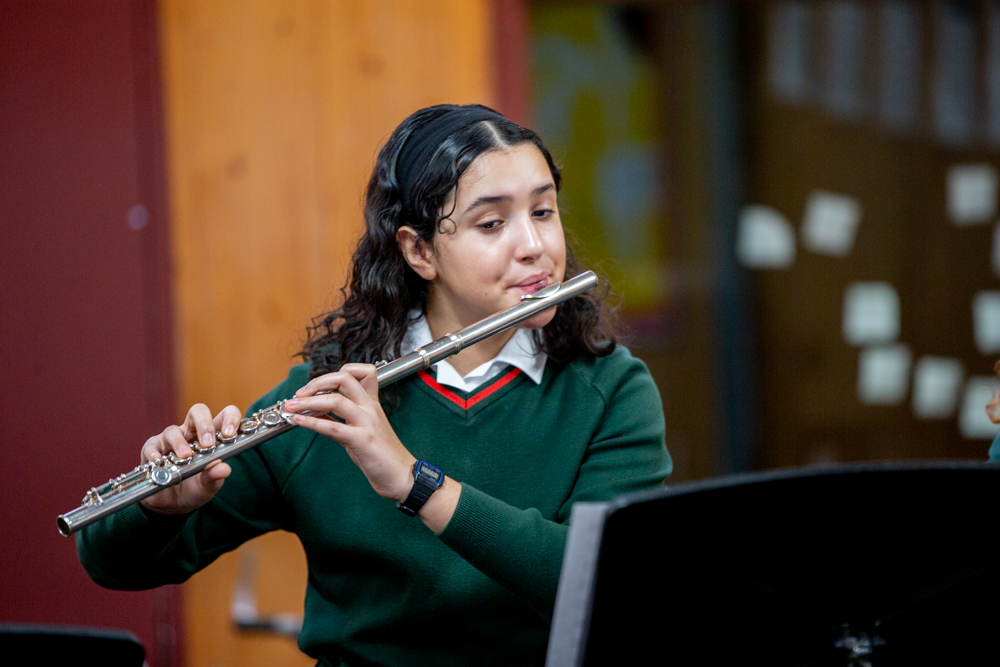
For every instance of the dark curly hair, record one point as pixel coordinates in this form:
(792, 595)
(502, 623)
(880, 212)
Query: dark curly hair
(382, 289)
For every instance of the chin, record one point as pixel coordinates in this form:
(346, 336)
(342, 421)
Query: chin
(540, 320)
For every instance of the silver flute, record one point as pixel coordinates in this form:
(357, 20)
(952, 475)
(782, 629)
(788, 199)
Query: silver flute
(154, 476)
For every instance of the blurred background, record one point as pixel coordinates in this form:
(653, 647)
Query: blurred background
(796, 201)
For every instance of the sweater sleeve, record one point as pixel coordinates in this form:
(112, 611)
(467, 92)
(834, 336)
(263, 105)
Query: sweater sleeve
(136, 549)
(522, 550)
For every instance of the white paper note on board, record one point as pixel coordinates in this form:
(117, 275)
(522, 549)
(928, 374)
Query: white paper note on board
(871, 313)
(884, 374)
(764, 239)
(937, 382)
(986, 321)
(830, 223)
(973, 423)
(972, 193)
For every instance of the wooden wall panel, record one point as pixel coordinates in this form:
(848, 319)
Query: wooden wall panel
(275, 111)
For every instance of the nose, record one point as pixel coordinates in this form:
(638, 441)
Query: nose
(530, 244)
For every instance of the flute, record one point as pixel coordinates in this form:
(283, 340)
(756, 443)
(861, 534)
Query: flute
(154, 476)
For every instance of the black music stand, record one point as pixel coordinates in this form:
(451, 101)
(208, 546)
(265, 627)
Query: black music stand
(70, 645)
(875, 565)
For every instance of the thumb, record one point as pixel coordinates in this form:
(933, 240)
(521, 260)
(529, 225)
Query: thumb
(213, 477)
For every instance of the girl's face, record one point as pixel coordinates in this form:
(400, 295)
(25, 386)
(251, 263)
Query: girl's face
(504, 239)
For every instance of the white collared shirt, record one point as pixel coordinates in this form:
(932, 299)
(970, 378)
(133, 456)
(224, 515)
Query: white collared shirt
(520, 352)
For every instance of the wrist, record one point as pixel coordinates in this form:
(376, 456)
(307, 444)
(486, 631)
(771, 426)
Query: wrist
(438, 511)
(427, 479)
(405, 482)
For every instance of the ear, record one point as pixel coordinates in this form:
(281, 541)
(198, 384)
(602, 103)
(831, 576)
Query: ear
(418, 254)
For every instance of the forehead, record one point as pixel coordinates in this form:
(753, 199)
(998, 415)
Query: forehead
(513, 171)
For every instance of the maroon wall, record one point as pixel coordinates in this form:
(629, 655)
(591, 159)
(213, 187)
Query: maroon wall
(84, 295)
(510, 60)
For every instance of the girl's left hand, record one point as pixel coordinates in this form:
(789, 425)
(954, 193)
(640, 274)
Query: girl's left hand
(365, 434)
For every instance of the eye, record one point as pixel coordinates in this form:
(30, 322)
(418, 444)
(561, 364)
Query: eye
(543, 214)
(490, 225)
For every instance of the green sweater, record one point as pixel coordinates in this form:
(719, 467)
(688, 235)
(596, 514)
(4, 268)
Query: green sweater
(382, 588)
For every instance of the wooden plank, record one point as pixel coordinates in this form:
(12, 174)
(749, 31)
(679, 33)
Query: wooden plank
(275, 112)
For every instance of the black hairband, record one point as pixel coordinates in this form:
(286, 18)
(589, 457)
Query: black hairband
(425, 140)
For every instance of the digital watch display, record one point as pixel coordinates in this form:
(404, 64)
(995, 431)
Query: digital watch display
(426, 480)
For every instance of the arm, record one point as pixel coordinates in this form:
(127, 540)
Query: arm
(138, 549)
(172, 535)
(519, 548)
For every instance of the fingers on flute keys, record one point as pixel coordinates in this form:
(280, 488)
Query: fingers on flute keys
(339, 393)
(349, 374)
(198, 427)
(198, 430)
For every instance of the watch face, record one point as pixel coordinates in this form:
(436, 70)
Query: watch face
(433, 473)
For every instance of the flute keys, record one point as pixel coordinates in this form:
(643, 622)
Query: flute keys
(249, 425)
(178, 461)
(163, 475)
(226, 441)
(93, 497)
(271, 418)
(199, 449)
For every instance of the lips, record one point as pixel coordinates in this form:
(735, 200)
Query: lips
(533, 283)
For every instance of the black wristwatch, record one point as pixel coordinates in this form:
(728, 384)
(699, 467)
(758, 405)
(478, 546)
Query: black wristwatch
(426, 480)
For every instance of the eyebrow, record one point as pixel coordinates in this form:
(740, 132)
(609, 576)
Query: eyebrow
(495, 199)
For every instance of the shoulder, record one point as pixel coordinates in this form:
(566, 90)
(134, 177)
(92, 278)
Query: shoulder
(607, 375)
(616, 382)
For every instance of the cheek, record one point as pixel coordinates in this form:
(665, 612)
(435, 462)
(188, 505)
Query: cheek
(557, 245)
(466, 260)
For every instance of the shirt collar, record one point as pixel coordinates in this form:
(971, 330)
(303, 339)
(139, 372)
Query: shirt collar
(520, 352)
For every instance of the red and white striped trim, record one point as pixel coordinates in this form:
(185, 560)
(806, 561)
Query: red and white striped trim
(466, 403)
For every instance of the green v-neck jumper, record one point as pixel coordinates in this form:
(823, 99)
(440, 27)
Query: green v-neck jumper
(383, 589)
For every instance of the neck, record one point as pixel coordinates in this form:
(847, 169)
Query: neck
(471, 357)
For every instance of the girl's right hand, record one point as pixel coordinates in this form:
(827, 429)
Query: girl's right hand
(197, 490)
